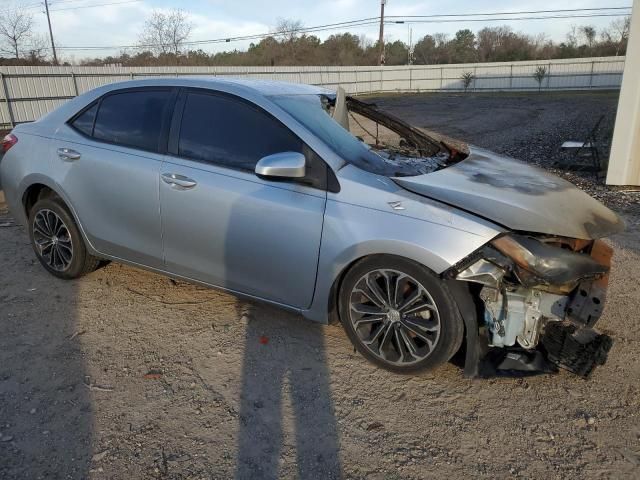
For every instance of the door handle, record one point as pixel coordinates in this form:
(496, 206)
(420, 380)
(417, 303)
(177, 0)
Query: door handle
(68, 155)
(179, 181)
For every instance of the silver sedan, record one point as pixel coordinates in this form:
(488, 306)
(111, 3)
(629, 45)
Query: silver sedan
(322, 204)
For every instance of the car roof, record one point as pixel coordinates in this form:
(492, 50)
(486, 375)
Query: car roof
(248, 85)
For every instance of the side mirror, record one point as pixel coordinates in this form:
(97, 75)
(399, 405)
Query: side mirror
(282, 165)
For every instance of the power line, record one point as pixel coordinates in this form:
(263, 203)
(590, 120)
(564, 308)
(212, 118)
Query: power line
(508, 19)
(94, 6)
(23, 7)
(352, 23)
(34, 6)
(56, 2)
(318, 28)
(364, 22)
(566, 10)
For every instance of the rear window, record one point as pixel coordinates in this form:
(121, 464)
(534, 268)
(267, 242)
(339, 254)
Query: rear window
(84, 122)
(133, 119)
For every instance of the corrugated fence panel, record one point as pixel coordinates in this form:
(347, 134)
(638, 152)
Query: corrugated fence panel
(5, 119)
(34, 91)
(425, 78)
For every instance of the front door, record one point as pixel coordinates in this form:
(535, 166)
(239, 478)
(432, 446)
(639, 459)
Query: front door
(222, 224)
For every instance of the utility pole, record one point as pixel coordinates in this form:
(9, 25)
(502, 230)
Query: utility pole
(410, 53)
(53, 45)
(381, 37)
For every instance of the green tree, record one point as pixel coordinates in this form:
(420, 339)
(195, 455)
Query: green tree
(396, 53)
(424, 51)
(341, 49)
(464, 46)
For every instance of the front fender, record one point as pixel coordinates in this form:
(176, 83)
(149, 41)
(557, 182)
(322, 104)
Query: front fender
(352, 232)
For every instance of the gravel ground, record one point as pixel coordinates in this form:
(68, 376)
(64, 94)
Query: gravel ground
(126, 374)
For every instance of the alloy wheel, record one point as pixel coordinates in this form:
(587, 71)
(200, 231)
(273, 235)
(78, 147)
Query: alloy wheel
(394, 316)
(52, 239)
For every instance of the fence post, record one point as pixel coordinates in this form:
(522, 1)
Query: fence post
(549, 77)
(357, 85)
(475, 71)
(5, 91)
(131, 75)
(441, 69)
(591, 75)
(511, 77)
(75, 83)
(410, 79)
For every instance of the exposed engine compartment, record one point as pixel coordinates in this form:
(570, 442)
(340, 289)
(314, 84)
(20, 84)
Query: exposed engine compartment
(404, 150)
(542, 296)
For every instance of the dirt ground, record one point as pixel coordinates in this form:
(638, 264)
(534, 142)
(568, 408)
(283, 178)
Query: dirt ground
(127, 374)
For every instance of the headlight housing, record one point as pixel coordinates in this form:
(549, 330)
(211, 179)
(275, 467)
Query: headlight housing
(548, 264)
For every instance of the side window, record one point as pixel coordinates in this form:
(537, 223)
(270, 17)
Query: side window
(84, 122)
(230, 132)
(132, 118)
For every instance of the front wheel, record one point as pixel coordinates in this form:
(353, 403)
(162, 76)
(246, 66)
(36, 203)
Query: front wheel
(57, 241)
(399, 315)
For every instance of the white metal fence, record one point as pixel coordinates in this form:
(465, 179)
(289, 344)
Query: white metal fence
(27, 93)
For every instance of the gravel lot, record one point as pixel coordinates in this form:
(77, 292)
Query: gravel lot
(126, 374)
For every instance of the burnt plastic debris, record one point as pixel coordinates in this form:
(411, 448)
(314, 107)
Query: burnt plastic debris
(564, 345)
(578, 350)
(514, 362)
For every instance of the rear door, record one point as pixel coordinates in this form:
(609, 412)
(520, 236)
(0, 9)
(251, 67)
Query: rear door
(224, 225)
(108, 160)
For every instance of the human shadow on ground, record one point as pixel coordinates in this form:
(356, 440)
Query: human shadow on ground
(46, 416)
(292, 363)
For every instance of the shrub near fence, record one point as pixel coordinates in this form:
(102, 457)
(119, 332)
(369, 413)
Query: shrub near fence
(27, 93)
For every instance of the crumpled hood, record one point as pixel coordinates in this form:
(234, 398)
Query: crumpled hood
(517, 196)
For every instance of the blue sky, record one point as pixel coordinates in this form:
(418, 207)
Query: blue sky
(120, 24)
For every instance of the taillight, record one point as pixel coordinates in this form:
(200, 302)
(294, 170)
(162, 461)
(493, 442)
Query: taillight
(7, 142)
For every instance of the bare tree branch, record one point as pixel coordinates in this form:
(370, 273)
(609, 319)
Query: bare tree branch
(37, 50)
(16, 28)
(288, 29)
(165, 32)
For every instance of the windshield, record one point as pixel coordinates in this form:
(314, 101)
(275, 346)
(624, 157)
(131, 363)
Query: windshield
(313, 111)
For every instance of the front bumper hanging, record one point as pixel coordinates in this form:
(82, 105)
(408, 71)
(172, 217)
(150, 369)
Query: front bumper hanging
(530, 330)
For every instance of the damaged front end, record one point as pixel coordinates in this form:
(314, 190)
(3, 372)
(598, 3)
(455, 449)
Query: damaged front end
(539, 298)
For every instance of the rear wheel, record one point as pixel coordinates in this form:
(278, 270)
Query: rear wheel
(57, 242)
(399, 315)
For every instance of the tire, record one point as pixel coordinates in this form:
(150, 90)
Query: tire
(57, 242)
(414, 331)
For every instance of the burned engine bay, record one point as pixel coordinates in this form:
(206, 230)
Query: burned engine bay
(401, 150)
(539, 299)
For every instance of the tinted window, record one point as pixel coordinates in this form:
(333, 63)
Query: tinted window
(132, 118)
(84, 122)
(231, 132)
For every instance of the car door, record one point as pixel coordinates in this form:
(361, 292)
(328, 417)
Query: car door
(108, 159)
(224, 225)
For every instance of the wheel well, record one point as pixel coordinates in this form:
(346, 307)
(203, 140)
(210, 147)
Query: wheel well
(35, 192)
(332, 308)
